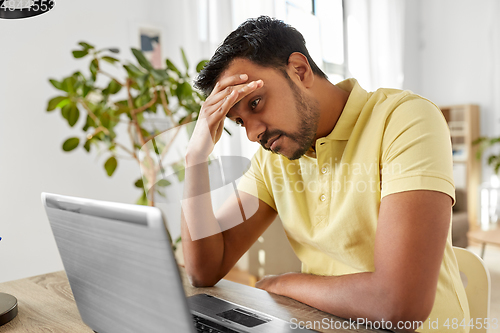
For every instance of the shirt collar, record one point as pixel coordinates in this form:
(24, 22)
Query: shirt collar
(355, 103)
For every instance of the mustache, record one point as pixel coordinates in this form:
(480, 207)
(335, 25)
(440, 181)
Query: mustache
(269, 135)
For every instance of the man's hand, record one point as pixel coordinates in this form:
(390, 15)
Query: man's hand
(268, 283)
(210, 124)
(410, 241)
(208, 259)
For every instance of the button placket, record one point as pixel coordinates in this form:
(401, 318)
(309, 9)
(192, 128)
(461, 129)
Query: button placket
(324, 185)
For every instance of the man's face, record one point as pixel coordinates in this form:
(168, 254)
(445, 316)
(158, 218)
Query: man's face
(279, 115)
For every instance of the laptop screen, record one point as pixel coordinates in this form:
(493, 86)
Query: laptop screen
(120, 265)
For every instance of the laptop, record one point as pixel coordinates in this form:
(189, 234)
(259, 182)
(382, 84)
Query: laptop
(124, 277)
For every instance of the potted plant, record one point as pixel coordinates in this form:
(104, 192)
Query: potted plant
(490, 207)
(106, 101)
(484, 144)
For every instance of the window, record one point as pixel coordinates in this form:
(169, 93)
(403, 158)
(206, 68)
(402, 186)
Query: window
(323, 26)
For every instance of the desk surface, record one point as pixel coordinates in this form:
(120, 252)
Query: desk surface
(46, 303)
(486, 236)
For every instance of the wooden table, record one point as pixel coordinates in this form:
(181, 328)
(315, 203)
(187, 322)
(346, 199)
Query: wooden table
(46, 304)
(485, 237)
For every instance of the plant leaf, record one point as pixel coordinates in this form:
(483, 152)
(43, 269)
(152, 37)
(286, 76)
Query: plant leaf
(493, 141)
(113, 87)
(492, 158)
(94, 67)
(122, 107)
(114, 50)
(159, 75)
(80, 54)
(85, 45)
(111, 60)
(479, 153)
(56, 84)
(54, 102)
(70, 144)
(179, 170)
(133, 70)
(73, 115)
(139, 183)
(65, 111)
(105, 119)
(200, 65)
(478, 140)
(171, 66)
(88, 123)
(141, 59)
(68, 84)
(163, 183)
(86, 89)
(110, 165)
(143, 200)
(87, 146)
(184, 59)
(184, 90)
(142, 81)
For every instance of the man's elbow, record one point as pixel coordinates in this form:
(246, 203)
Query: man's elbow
(408, 306)
(199, 281)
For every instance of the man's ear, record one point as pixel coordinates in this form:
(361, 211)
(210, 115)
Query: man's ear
(299, 67)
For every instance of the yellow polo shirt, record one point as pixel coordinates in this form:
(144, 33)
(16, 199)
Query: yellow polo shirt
(384, 142)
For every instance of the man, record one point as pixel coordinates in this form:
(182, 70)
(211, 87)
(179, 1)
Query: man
(362, 182)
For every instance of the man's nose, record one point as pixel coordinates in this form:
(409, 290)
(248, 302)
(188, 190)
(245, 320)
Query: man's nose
(255, 129)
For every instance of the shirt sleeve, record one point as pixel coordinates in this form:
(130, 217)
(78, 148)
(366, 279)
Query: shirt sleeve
(416, 150)
(253, 181)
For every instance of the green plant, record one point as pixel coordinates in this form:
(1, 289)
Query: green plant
(106, 101)
(484, 144)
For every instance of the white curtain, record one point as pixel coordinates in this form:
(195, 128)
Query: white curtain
(375, 36)
(375, 30)
(495, 38)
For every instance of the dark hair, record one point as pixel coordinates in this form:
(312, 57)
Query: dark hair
(266, 41)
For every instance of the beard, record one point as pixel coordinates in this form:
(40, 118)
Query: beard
(308, 112)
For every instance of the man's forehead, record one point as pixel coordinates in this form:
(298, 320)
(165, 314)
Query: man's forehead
(244, 66)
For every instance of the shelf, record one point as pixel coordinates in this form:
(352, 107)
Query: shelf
(463, 124)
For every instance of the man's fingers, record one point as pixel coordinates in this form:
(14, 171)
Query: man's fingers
(229, 81)
(246, 89)
(214, 99)
(218, 131)
(222, 107)
(242, 89)
(216, 109)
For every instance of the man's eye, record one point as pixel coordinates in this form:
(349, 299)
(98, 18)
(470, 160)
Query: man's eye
(254, 103)
(239, 122)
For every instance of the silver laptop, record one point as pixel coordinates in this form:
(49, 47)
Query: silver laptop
(124, 277)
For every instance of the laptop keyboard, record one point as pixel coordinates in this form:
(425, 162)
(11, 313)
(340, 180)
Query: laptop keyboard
(203, 325)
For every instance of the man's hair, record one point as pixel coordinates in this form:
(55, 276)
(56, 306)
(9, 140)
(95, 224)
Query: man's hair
(265, 41)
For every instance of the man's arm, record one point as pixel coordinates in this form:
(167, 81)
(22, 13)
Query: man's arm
(409, 247)
(208, 259)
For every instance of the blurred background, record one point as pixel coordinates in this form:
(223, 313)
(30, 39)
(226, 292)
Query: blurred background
(447, 51)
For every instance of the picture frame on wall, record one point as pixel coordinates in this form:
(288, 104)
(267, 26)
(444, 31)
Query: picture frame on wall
(150, 44)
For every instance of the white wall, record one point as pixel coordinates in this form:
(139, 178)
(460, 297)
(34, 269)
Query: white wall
(452, 56)
(31, 158)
